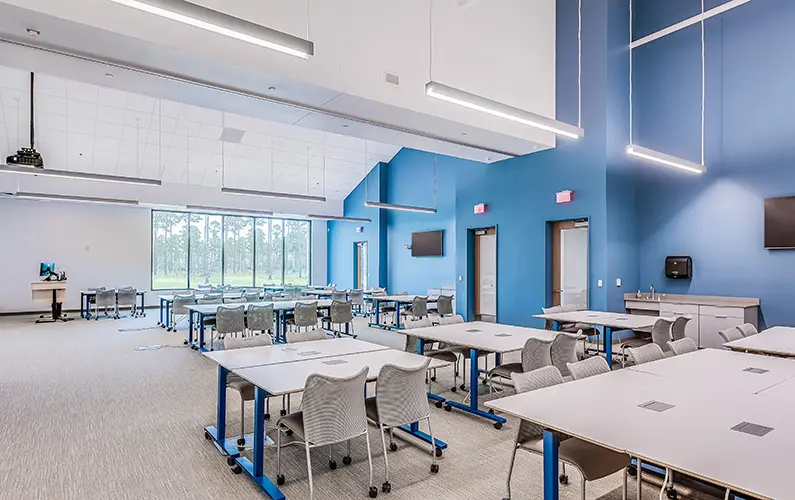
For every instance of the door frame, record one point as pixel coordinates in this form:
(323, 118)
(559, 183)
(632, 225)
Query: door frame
(470, 298)
(549, 264)
(356, 261)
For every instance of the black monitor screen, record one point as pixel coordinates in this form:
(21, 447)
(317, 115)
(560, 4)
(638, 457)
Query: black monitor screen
(427, 244)
(780, 222)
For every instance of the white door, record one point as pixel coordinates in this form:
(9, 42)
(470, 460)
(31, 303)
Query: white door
(488, 275)
(574, 267)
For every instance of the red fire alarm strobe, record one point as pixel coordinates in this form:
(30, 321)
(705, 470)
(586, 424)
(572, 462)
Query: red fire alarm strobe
(564, 196)
(480, 208)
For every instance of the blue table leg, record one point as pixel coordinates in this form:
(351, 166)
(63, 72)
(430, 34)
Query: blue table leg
(254, 468)
(284, 325)
(608, 333)
(201, 331)
(377, 305)
(82, 303)
(556, 325)
(551, 443)
(190, 327)
(143, 308)
(397, 315)
(160, 322)
(472, 407)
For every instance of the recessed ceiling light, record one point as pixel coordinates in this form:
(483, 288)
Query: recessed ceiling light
(33, 32)
(344, 126)
(463, 133)
(109, 75)
(271, 88)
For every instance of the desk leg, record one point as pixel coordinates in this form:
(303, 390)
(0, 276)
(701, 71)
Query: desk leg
(472, 407)
(433, 397)
(551, 443)
(556, 326)
(608, 334)
(82, 303)
(160, 322)
(201, 331)
(254, 468)
(189, 341)
(143, 306)
(397, 315)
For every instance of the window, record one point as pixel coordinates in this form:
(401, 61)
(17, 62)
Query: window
(169, 250)
(191, 249)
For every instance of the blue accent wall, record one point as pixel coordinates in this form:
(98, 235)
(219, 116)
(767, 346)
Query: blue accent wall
(717, 217)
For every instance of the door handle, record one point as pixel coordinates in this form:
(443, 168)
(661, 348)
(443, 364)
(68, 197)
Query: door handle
(557, 291)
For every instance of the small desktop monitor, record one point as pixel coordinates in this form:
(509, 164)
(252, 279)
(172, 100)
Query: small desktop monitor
(47, 269)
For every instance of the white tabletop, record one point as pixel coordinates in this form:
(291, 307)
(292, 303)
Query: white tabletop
(283, 305)
(778, 340)
(288, 353)
(694, 437)
(94, 292)
(403, 299)
(602, 318)
(291, 377)
(723, 371)
(492, 337)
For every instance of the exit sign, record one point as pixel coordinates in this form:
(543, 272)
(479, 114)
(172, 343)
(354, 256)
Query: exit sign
(480, 208)
(563, 196)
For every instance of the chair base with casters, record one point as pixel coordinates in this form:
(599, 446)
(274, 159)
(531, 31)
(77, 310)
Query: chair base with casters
(502, 372)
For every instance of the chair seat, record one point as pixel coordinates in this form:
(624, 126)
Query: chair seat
(594, 461)
(505, 370)
(242, 386)
(443, 354)
(294, 422)
(464, 351)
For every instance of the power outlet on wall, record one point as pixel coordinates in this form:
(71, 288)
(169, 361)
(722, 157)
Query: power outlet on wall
(599, 283)
(618, 281)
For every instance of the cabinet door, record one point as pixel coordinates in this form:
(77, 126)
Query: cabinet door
(709, 327)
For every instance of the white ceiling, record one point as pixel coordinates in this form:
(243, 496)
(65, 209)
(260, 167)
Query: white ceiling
(91, 128)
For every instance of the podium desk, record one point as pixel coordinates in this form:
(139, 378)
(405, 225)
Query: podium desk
(53, 292)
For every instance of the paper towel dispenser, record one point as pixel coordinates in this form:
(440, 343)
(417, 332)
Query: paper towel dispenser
(679, 267)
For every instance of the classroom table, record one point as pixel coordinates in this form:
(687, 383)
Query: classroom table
(397, 300)
(280, 309)
(290, 377)
(775, 341)
(85, 302)
(607, 320)
(167, 300)
(478, 336)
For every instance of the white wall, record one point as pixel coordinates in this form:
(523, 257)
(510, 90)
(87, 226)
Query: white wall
(97, 245)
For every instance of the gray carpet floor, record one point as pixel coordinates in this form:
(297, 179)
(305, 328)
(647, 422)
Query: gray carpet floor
(85, 416)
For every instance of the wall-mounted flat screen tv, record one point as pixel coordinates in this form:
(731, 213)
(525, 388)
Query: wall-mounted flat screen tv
(427, 244)
(780, 222)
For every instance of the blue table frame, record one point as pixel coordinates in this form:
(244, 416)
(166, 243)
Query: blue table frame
(165, 307)
(85, 304)
(607, 338)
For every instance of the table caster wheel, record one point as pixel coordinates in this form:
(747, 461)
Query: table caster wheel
(497, 425)
(241, 441)
(434, 468)
(184, 342)
(267, 416)
(347, 460)
(671, 493)
(280, 479)
(485, 382)
(237, 469)
(453, 389)
(332, 464)
(282, 412)
(207, 435)
(448, 408)
(386, 487)
(433, 379)
(438, 404)
(491, 410)
(462, 387)
(373, 492)
(392, 447)
(438, 452)
(564, 479)
(230, 461)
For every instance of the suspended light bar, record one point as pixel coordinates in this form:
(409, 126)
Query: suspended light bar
(664, 159)
(402, 208)
(479, 103)
(85, 176)
(224, 24)
(78, 199)
(271, 194)
(203, 208)
(339, 218)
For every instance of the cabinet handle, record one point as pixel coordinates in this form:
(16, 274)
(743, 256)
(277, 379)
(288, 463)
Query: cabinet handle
(720, 316)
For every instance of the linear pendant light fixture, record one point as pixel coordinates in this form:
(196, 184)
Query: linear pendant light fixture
(78, 199)
(339, 218)
(221, 210)
(656, 156)
(224, 24)
(495, 108)
(86, 176)
(272, 194)
(403, 208)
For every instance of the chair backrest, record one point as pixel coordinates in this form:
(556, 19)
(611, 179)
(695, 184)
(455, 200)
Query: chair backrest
(333, 408)
(401, 394)
(96, 289)
(210, 300)
(339, 295)
(260, 317)
(563, 351)
(683, 346)
(444, 304)
(241, 342)
(531, 381)
(316, 334)
(588, 367)
(356, 297)
(180, 303)
(379, 293)
(646, 353)
(126, 296)
(267, 297)
(747, 329)
(417, 323)
(661, 333)
(401, 293)
(230, 319)
(535, 354)
(419, 307)
(305, 314)
(251, 297)
(341, 312)
(106, 298)
(730, 334)
(235, 300)
(678, 327)
(451, 320)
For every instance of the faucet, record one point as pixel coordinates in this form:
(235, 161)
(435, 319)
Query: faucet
(651, 289)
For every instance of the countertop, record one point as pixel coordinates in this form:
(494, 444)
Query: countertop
(699, 300)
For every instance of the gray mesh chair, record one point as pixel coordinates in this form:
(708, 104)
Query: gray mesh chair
(592, 461)
(316, 334)
(267, 297)
(126, 297)
(105, 299)
(243, 387)
(229, 320)
(210, 298)
(451, 320)
(418, 309)
(357, 300)
(339, 295)
(304, 316)
(588, 367)
(564, 351)
(646, 354)
(660, 335)
(535, 355)
(678, 327)
(747, 330)
(444, 305)
(251, 297)
(179, 308)
(340, 313)
(438, 353)
(333, 411)
(259, 318)
(400, 399)
(727, 335)
(391, 308)
(682, 346)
